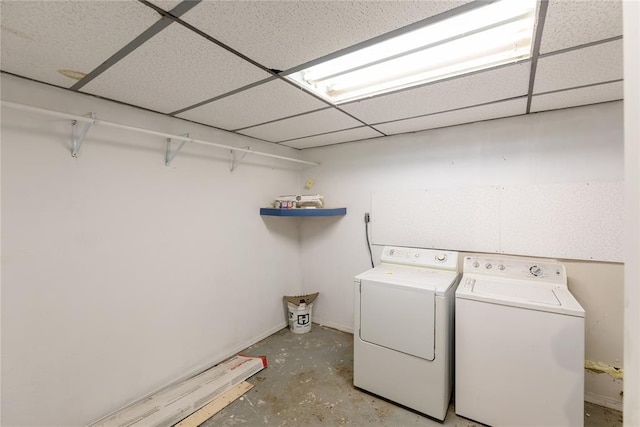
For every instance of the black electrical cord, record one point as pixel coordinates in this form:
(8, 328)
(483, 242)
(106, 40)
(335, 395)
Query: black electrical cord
(366, 232)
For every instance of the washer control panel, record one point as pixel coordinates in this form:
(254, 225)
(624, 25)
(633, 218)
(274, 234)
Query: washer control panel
(418, 257)
(525, 269)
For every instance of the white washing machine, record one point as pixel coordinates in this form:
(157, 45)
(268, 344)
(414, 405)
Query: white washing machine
(519, 344)
(403, 335)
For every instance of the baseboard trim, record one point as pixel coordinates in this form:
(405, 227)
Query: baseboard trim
(607, 402)
(334, 325)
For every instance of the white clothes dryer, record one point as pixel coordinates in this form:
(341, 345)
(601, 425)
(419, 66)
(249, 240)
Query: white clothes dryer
(403, 334)
(519, 344)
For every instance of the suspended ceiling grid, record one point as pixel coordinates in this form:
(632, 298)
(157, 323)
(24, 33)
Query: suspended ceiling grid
(220, 63)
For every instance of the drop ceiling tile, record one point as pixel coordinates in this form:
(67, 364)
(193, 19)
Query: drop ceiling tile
(315, 123)
(496, 110)
(334, 138)
(593, 64)
(284, 34)
(166, 4)
(487, 86)
(41, 37)
(174, 69)
(573, 23)
(576, 97)
(260, 104)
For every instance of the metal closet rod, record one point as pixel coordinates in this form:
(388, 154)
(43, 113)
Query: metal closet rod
(94, 121)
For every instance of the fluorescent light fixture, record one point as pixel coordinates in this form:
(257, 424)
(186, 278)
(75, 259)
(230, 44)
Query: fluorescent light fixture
(498, 33)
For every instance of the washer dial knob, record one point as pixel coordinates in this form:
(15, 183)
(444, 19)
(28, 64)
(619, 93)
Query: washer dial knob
(535, 270)
(441, 257)
(476, 264)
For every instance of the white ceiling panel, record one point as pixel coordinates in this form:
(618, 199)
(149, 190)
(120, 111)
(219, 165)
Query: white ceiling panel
(577, 97)
(173, 70)
(334, 138)
(166, 4)
(284, 34)
(509, 108)
(260, 104)
(487, 86)
(177, 67)
(593, 64)
(40, 38)
(328, 120)
(573, 23)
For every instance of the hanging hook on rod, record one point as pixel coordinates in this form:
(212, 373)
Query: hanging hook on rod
(169, 156)
(76, 140)
(235, 161)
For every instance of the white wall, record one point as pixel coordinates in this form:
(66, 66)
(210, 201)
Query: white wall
(568, 146)
(631, 10)
(121, 275)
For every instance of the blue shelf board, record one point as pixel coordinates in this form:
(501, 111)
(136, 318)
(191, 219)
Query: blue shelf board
(303, 212)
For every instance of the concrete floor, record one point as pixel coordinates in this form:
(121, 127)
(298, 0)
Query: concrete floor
(309, 381)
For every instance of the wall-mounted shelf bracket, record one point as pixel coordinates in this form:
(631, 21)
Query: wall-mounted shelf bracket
(92, 121)
(77, 136)
(235, 161)
(169, 156)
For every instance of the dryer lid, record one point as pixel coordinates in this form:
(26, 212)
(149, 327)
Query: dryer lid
(413, 277)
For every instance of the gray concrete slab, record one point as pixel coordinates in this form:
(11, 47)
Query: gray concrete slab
(309, 381)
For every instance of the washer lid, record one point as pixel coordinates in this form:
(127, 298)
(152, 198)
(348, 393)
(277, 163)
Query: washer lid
(517, 293)
(542, 295)
(412, 277)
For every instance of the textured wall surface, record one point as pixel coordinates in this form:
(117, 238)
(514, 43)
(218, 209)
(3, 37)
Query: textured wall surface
(561, 148)
(121, 275)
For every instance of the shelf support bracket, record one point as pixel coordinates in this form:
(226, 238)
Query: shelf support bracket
(77, 137)
(169, 156)
(235, 161)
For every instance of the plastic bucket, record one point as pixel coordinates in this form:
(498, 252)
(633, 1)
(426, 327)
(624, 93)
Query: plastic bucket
(299, 318)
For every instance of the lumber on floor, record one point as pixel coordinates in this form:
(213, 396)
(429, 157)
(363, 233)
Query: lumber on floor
(172, 404)
(309, 382)
(215, 406)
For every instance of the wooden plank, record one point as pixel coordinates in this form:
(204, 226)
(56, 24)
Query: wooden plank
(215, 406)
(170, 405)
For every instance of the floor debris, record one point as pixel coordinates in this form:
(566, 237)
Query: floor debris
(314, 386)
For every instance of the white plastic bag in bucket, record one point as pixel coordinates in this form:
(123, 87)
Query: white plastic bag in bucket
(300, 317)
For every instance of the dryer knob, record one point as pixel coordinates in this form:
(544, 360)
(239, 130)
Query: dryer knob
(441, 257)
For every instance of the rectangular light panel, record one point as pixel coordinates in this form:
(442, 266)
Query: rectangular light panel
(488, 36)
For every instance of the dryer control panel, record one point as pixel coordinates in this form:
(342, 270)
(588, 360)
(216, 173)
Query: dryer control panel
(418, 257)
(523, 269)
